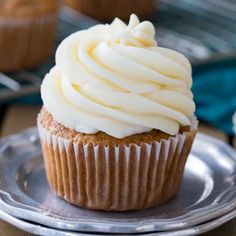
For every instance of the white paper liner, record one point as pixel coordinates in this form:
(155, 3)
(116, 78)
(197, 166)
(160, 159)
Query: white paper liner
(118, 178)
(26, 42)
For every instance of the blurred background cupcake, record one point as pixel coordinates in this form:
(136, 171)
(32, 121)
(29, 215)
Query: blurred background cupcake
(27, 31)
(107, 10)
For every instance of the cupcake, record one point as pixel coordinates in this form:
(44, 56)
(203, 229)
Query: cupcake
(27, 32)
(117, 123)
(107, 10)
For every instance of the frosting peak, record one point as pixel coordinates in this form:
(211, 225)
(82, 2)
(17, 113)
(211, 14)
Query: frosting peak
(114, 78)
(134, 34)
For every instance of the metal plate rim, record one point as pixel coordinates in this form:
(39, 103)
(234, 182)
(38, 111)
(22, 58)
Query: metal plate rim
(44, 231)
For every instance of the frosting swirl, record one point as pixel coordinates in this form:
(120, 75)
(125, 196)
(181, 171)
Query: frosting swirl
(114, 78)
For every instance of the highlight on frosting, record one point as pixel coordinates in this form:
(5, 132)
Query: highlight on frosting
(115, 79)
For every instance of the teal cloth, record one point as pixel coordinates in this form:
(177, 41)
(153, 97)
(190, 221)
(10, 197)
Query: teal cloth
(214, 89)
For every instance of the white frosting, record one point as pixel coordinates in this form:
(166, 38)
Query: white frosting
(114, 78)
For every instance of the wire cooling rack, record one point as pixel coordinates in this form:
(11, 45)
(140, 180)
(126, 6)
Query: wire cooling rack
(203, 30)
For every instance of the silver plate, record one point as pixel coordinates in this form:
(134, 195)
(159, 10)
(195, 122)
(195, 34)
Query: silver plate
(208, 191)
(37, 229)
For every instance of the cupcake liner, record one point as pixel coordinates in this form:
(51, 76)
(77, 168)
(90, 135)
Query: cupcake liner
(26, 42)
(115, 178)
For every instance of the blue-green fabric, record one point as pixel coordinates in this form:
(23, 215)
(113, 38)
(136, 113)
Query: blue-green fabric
(214, 89)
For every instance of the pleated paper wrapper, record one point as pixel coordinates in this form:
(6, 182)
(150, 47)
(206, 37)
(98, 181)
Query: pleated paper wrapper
(26, 42)
(116, 177)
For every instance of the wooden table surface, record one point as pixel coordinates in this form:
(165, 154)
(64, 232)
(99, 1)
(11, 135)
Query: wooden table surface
(18, 117)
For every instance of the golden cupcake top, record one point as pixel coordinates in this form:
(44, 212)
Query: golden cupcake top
(27, 8)
(46, 120)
